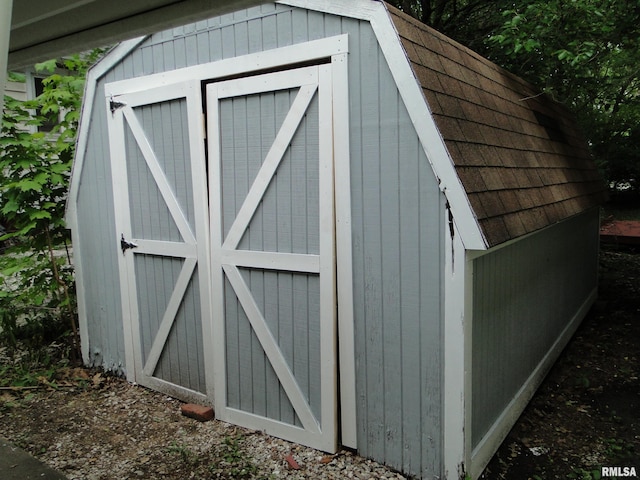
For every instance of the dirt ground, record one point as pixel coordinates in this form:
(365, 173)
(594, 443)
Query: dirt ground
(586, 415)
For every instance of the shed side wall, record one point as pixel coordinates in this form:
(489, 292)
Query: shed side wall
(525, 295)
(396, 224)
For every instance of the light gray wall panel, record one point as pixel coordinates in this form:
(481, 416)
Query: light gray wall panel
(524, 296)
(182, 360)
(165, 128)
(98, 247)
(150, 216)
(286, 221)
(290, 305)
(397, 218)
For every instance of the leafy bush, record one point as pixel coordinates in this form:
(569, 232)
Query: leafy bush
(37, 300)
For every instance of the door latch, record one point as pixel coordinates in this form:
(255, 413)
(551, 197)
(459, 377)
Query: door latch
(124, 245)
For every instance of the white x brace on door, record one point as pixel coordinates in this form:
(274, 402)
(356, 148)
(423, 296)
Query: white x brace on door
(270, 140)
(159, 178)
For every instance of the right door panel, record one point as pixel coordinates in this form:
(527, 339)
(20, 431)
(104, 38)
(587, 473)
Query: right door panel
(270, 140)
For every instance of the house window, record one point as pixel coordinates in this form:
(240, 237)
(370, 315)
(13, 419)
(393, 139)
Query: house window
(52, 118)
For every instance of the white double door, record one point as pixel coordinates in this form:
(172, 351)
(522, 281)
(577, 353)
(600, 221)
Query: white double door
(229, 295)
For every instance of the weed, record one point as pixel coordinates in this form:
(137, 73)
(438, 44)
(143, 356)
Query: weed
(31, 368)
(617, 450)
(235, 462)
(187, 455)
(582, 380)
(583, 474)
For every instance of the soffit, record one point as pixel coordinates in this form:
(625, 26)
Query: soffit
(43, 29)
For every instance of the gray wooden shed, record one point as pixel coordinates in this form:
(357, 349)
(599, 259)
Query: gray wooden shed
(335, 225)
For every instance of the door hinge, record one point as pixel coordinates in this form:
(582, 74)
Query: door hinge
(114, 105)
(124, 245)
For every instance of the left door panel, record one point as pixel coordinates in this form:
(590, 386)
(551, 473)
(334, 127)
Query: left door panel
(160, 192)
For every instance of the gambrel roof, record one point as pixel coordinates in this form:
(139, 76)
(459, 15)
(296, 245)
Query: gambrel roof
(518, 154)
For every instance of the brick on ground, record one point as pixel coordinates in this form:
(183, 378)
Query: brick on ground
(201, 413)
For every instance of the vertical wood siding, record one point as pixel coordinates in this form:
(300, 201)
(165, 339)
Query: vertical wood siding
(524, 296)
(99, 247)
(286, 221)
(396, 221)
(165, 125)
(397, 214)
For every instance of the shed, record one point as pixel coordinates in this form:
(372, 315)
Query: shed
(333, 224)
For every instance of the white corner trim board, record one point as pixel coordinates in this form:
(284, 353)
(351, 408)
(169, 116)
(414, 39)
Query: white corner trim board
(456, 356)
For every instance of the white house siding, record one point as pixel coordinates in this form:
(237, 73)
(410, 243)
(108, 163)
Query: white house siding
(528, 298)
(17, 90)
(397, 211)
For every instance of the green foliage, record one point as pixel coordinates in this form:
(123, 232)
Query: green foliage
(468, 21)
(36, 301)
(618, 451)
(584, 474)
(185, 454)
(32, 368)
(235, 462)
(584, 53)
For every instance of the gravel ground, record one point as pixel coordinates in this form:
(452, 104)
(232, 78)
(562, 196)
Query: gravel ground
(95, 427)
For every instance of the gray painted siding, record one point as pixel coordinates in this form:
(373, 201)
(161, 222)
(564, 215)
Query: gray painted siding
(291, 306)
(396, 219)
(182, 359)
(397, 214)
(287, 221)
(524, 296)
(150, 217)
(98, 247)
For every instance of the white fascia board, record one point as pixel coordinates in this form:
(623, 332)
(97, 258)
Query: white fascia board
(376, 13)
(94, 74)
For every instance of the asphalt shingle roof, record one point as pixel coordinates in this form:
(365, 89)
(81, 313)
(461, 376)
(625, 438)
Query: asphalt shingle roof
(519, 155)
